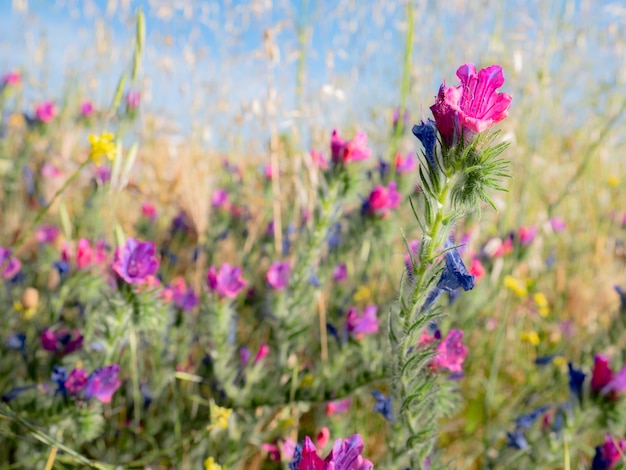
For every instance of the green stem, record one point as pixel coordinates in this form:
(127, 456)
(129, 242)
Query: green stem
(404, 87)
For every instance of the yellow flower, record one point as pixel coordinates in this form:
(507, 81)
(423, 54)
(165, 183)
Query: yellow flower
(613, 181)
(362, 295)
(102, 146)
(219, 417)
(559, 361)
(307, 380)
(530, 337)
(516, 285)
(209, 464)
(542, 304)
(27, 313)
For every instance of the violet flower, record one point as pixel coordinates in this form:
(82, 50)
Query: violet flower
(228, 282)
(103, 383)
(278, 275)
(450, 353)
(136, 261)
(362, 324)
(9, 265)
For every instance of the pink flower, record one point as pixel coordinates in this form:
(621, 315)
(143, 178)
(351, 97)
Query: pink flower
(405, 164)
(11, 79)
(83, 253)
(148, 210)
(451, 352)
(86, 109)
(228, 282)
(602, 373)
(345, 455)
(338, 406)
(558, 225)
(322, 437)
(472, 107)
(219, 198)
(48, 170)
(318, 159)
(477, 269)
(344, 152)
(133, 98)
(362, 324)
(76, 381)
(527, 235)
(381, 200)
(278, 275)
(340, 273)
(262, 353)
(47, 233)
(45, 112)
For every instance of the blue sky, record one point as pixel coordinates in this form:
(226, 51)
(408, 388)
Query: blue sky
(206, 66)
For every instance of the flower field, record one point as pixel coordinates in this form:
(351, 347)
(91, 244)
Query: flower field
(312, 235)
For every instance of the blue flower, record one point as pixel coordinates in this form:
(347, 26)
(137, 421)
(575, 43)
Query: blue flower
(62, 267)
(17, 342)
(576, 380)
(545, 360)
(455, 274)
(58, 376)
(516, 440)
(526, 421)
(426, 132)
(297, 456)
(383, 405)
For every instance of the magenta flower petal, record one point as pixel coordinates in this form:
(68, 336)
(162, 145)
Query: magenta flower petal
(278, 275)
(472, 107)
(602, 373)
(227, 282)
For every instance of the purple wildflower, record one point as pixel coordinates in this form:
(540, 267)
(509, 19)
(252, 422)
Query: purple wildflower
(136, 261)
(103, 383)
(278, 275)
(9, 265)
(228, 282)
(362, 324)
(76, 381)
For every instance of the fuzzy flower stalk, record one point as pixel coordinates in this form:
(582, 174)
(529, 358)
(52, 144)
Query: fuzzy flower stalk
(459, 166)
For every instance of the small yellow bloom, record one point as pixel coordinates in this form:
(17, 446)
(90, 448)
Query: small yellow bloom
(27, 313)
(530, 337)
(209, 464)
(362, 295)
(613, 181)
(542, 304)
(102, 146)
(307, 381)
(219, 417)
(559, 361)
(516, 285)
